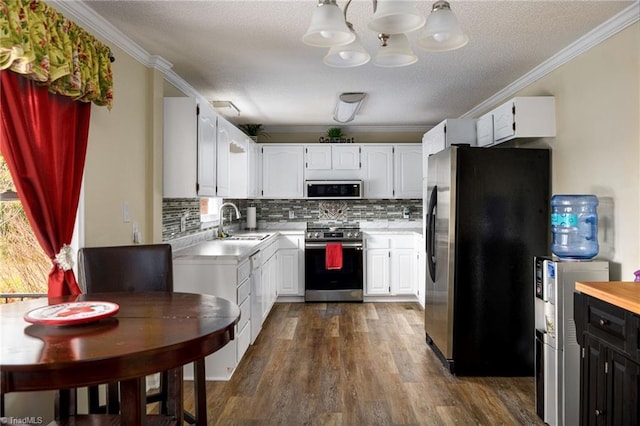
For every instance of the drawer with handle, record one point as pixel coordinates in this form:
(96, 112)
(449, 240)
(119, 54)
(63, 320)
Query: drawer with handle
(609, 323)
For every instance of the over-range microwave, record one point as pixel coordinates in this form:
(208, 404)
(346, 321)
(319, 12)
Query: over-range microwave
(333, 189)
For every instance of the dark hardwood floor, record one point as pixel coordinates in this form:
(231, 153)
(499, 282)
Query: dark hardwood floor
(357, 364)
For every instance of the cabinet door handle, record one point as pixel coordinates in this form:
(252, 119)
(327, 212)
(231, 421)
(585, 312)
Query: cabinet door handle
(603, 322)
(599, 413)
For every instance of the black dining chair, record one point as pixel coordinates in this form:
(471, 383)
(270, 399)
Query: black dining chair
(136, 268)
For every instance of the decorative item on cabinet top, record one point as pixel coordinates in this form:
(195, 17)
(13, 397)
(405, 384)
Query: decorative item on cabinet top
(335, 135)
(254, 130)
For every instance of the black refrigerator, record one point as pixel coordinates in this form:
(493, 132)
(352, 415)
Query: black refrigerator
(487, 217)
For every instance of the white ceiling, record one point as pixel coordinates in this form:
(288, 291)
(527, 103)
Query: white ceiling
(251, 53)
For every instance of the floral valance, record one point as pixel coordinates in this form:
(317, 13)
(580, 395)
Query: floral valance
(43, 45)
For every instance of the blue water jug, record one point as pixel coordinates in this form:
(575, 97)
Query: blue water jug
(574, 225)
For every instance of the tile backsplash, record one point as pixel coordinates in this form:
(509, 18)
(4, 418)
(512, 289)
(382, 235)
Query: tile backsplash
(294, 210)
(173, 209)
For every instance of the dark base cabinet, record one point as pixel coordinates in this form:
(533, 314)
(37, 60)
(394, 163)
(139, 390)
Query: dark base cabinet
(610, 363)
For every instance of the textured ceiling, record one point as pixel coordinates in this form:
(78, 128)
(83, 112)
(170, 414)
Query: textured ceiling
(251, 53)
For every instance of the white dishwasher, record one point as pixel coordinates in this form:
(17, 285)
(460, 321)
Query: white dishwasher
(257, 295)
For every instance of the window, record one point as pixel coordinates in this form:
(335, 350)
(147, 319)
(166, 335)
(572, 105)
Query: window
(209, 209)
(24, 267)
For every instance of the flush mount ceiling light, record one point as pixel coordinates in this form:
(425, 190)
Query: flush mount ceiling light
(226, 107)
(391, 20)
(348, 106)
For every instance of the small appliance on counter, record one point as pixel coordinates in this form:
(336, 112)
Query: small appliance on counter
(251, 218)
(557, 354)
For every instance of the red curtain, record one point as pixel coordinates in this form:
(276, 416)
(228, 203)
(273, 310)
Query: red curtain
(43, 138)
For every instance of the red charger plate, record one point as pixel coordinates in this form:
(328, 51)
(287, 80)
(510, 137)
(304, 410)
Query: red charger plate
(71, 313)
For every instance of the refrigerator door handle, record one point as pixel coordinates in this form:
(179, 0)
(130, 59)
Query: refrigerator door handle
(431, 234)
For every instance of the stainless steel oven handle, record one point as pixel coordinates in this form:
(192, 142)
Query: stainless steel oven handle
(323, 245)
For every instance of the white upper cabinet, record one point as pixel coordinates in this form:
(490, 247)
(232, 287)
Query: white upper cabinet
(408, 171)
(332, 161)
(233, 161)
(282, 171)
(255, 168)
(484, 130)
(189, 154)
(207, 129)
(377, 171)
(225, 131)
(525, 117)
(448, 132)
(345, 157)
(317, 157)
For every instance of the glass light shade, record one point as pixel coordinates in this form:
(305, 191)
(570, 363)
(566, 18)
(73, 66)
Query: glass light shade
(328, 27)
(395, 17)
(347, 56)
(442, 31)
(397, 52)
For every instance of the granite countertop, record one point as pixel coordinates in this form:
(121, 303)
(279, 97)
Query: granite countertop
(624, 294)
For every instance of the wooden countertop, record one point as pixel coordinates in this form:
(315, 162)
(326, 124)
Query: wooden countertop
(624, 294)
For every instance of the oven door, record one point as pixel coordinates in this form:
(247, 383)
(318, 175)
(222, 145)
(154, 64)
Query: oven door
(322, 284)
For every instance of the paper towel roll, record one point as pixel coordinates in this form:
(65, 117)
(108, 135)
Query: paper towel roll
(251, 218)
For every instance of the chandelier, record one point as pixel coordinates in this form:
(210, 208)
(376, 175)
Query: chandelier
(391, 20)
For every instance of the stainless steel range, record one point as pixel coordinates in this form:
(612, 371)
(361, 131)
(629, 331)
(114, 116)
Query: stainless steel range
(324, 282)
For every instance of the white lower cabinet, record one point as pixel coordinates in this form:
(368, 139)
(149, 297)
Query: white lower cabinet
(231, 281)
(269, 278)
(391, 265)
(243, 329)
(291, 265)
(404, 271)
(378, 261)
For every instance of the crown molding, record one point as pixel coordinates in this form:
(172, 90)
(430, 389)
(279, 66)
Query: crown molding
(596, 36)
(88, 18)
(83, 15)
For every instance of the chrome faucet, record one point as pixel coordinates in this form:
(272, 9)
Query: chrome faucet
(220, 228)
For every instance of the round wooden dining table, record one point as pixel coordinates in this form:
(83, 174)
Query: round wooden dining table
(152, 332)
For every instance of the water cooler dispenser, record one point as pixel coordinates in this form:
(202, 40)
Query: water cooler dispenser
(557, 355)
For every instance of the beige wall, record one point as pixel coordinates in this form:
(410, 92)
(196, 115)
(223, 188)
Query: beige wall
(123, 158)
(597, 147)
